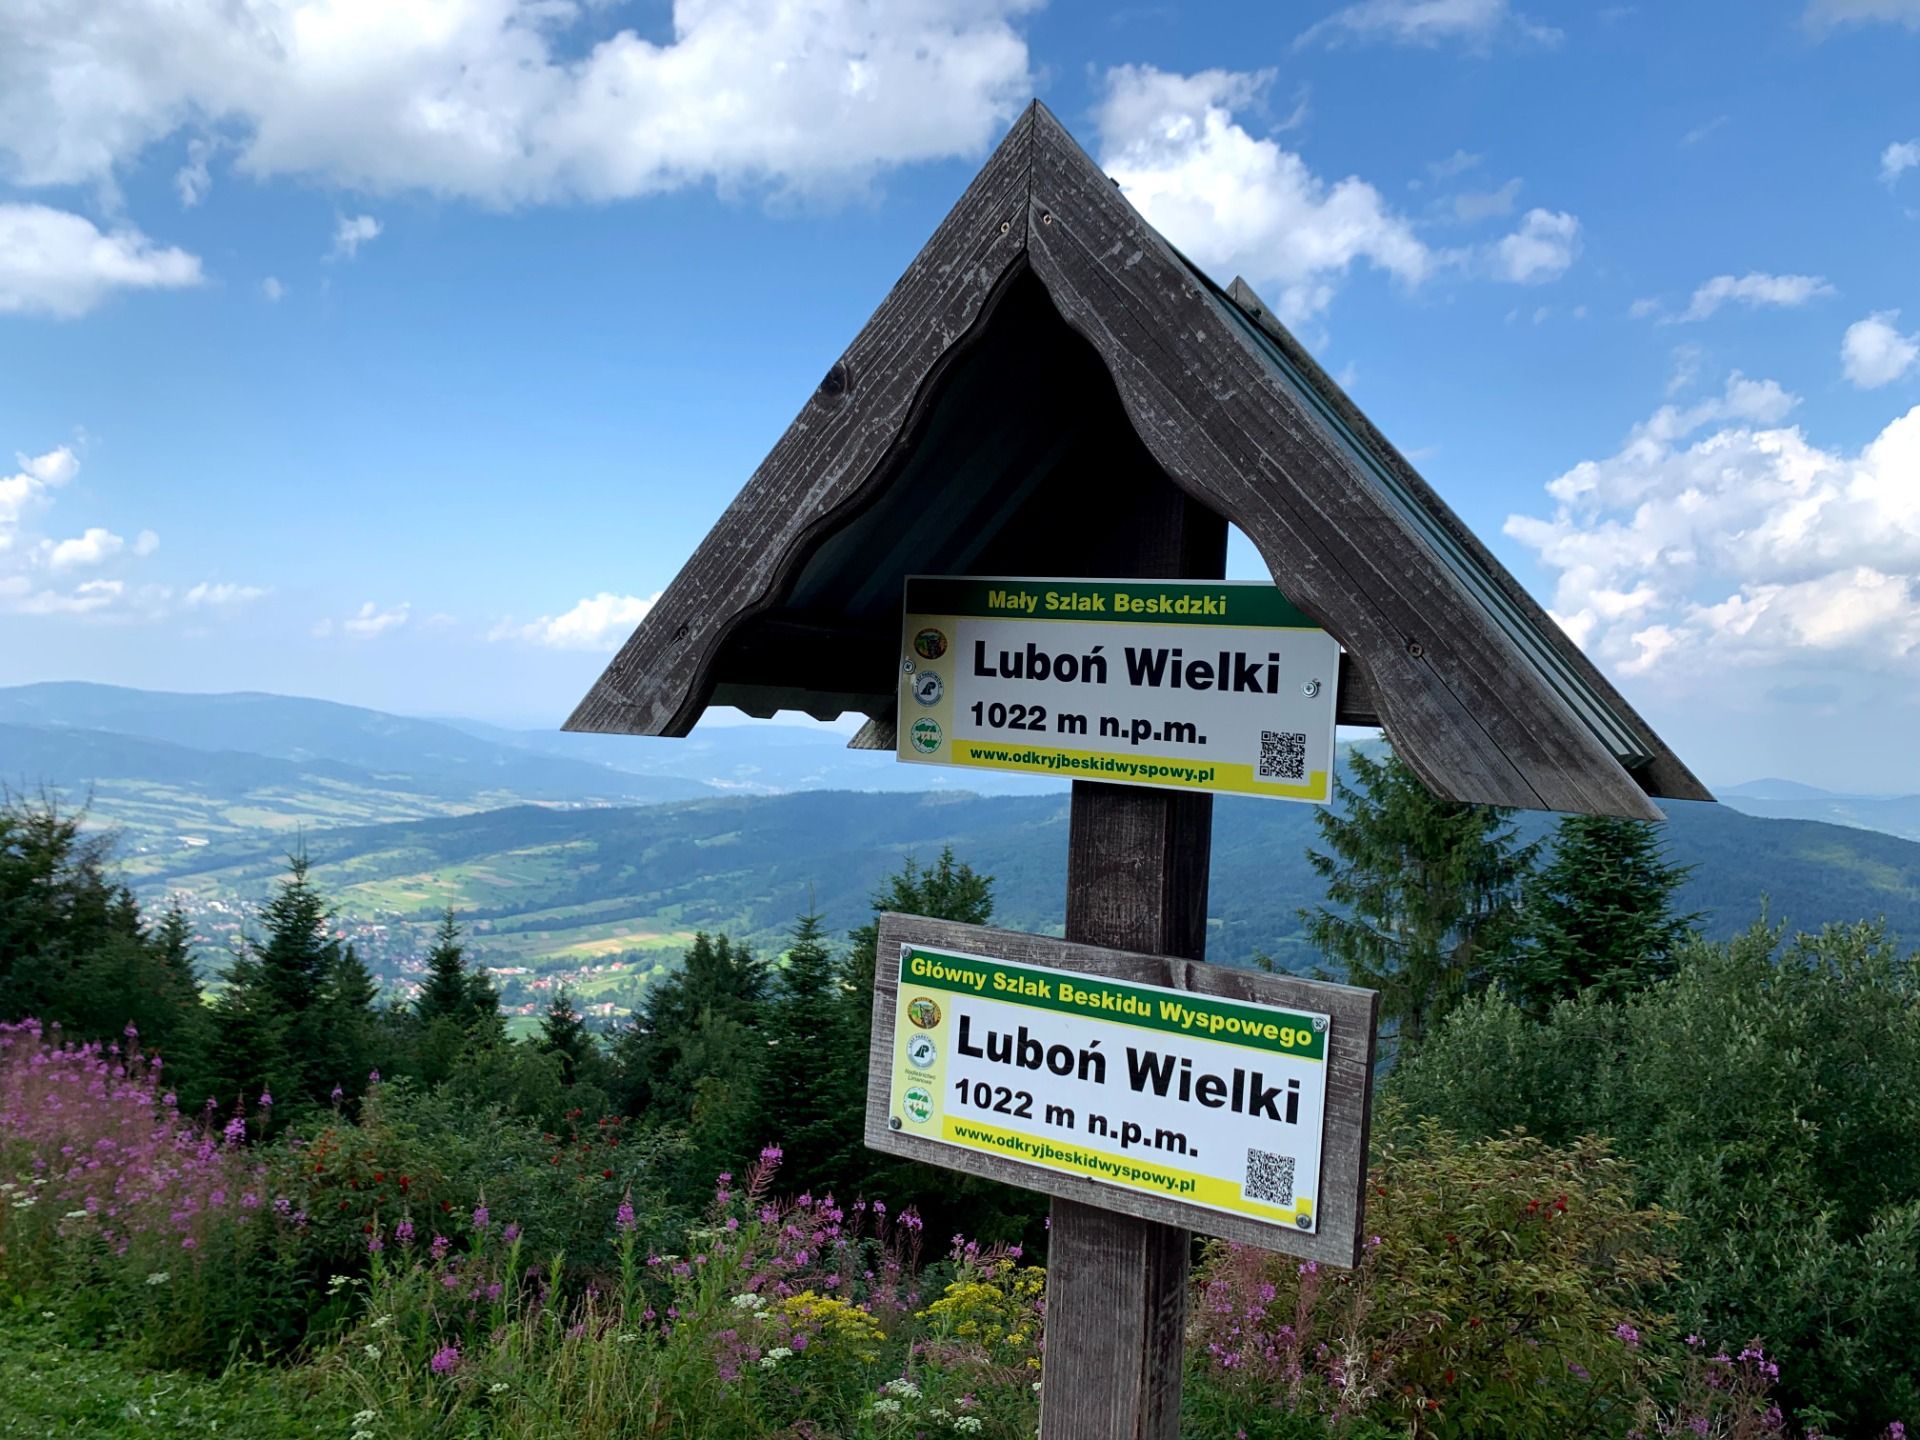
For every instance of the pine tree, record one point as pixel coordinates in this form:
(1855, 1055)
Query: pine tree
(1599, 916)
(1427, 892)
(803, 1110)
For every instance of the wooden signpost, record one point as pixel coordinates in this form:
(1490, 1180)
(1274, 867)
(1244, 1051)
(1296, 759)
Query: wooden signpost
(1051, 390)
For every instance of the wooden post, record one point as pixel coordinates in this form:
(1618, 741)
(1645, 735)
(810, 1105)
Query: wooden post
(1137, 863)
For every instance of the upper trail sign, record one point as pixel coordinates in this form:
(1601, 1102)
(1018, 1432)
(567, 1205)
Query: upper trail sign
(1214, 687)
(1052, 389)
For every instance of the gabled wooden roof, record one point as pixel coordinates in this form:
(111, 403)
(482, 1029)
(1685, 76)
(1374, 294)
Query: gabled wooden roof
(1045, 360)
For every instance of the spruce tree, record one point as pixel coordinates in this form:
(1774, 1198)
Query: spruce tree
(1599, 916)
(803, 1110)
(63, 915)
(657, 1056)
(564, 1035)
(1427, 893)
(295, 1014)
(447, 992)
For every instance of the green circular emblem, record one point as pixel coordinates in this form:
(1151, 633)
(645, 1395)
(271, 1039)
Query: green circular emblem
(925, 735)
(919, 1105)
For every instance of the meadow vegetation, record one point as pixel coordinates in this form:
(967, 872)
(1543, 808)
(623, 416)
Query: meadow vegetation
(1625, 1182)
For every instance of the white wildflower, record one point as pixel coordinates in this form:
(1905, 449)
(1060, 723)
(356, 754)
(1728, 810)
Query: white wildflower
(25, 1202)
(904, 1388)
(774, 1356)
(381, 1322)
(364, 1418)
(338, 1283)
(627, 1337)
(967, 1424)
(750, 1301)
(38, 1182)
(498, 1387)
(886, 1407)
(75, 1215)
(373, 1351)
(1036, 1387)
(158, 1277)
(361, 1435)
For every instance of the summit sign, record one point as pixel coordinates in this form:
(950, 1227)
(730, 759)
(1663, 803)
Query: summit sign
(1206, 686)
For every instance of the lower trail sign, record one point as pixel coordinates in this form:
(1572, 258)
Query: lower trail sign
(1230, 1102)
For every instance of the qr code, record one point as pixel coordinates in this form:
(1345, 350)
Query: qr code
(1269, 1177)
(1283, 755)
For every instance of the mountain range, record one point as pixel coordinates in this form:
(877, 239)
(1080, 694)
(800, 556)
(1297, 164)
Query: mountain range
(564, 863)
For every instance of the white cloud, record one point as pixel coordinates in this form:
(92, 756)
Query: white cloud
(1236, 202)
(34, 576)
(599, 622)
(93, 546)
(1824, 13)
(1874, 353)
(1541, 249)
(368, 622)
(1899, 157)
(1475, 23)
(193, 180)
(512, 101)
(272, 288)
(350, 234)
(1470, 206)
(59, 263)
(208, 595)
(1754, 289)
(1686, 553)
(1454, 165)
(30, 486)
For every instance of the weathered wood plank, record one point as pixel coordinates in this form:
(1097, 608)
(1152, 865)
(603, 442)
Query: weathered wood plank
(659, 681)
(1349, 1080)
(1459, 701)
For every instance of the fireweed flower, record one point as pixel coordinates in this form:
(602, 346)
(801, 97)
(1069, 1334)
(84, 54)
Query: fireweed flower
(480, 1218)
(266, 1099)
(512, 1232)
(445, 1360)
(1627, 1333)
(439, 1247)
(403, 1233)
(623, 1220)
(338, 1095)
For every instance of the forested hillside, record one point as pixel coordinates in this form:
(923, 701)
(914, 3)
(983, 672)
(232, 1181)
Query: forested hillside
(554, 887)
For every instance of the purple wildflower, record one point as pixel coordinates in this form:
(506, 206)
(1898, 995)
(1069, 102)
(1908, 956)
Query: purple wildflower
(623, 1220)
(266, 1099)
(1627, 1333)
(480, 1218)
(445, 1360)
(403, 1233)
(512, 1232)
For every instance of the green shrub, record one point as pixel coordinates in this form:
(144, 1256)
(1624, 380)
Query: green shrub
(1502, 1293)
(1770, 1095)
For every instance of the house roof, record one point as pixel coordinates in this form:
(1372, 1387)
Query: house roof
(1046, 362)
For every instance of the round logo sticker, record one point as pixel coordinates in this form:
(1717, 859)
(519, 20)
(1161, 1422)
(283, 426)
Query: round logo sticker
(926, 735)
(921, 1052)
(919, 1105)
(923, 1012)
(928, 687)
(930, 644)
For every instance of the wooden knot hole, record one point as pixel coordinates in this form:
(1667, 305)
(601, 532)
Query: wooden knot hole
(836, 383)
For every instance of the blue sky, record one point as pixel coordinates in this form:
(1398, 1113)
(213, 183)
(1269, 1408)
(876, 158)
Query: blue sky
(397, 351)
